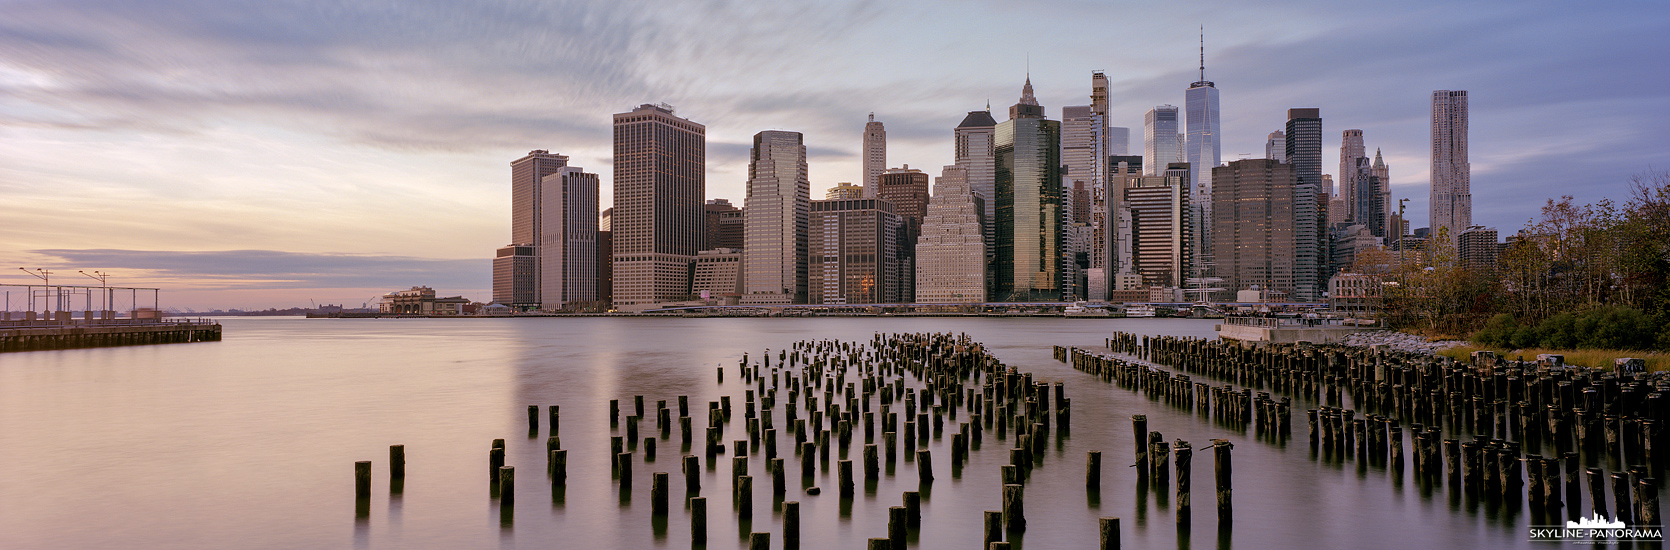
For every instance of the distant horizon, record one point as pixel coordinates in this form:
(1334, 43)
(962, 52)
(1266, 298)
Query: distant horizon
(261, 159)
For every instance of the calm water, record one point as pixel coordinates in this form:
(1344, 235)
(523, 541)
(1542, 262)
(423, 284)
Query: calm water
(250, 443)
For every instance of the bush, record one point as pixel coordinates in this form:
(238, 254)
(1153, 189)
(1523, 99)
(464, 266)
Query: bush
(1497, 332)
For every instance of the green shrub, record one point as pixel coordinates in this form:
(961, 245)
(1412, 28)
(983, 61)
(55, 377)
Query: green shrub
(1497, 332)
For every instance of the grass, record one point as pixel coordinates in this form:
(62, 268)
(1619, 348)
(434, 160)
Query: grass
(1595, 358)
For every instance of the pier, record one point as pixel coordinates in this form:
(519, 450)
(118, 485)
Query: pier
(40, 337)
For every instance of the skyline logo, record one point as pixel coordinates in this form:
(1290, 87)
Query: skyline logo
(1596, 521)
(1596, 529)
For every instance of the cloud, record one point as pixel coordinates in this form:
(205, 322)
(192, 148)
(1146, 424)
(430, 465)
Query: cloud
(270, 269)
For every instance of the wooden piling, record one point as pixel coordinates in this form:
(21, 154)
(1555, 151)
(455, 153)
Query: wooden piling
(692, 475)
(533, 419)
(1093, 471)
(1597, 492)
(924, 467)
(896, 526)
(1109, 532)
(1184, 457)
(559, 468)
(1222, 469)
(658, 493)
(551, 418)
(1621, 498)
(1139, 427)
(698, 520)
(495, 459)
(362, 479)
(745, 497)
(507, 486)
(791, 525)
(397, 462)
(1014, 508)
(844, 478)
(625, 463)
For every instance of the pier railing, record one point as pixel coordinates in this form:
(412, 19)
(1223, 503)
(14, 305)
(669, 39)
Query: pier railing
(1296, 322)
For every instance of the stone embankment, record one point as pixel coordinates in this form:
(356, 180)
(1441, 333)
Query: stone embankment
(1400, 341)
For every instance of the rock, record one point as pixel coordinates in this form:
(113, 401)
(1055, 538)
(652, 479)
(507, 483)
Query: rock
(1398, 341)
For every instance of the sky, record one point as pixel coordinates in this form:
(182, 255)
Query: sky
(278, 153)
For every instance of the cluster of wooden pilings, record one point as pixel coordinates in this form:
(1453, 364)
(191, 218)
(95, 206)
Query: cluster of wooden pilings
(1233, 408)
(819, 397)
(1498, 429)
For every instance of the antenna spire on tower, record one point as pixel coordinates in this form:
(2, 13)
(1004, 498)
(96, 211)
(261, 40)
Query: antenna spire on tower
(1203, 53)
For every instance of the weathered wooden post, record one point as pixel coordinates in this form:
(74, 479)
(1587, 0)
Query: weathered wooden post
(507, 486)
(1110, 533)
(896, 527)
(617, 445)
(844, 478)
(533, 420)
(1184, 456)
(1158, 453)
(552, 418)
(625, 463)
(1222, 468)
(495, 459)
(692, 475)
(614, 411)
(649, 449)
(1093, 471)
(994, 528)
(913, 508)
(759, 541)
(362, 479)
(698, 520)
(1139, 426)
(559, 468)
(779, 478)
(397, 462)
(924, 467)
(1620, 498)
(1646, 501)
(791, 525)
(658, 493)
(1597, 491)
(745, 497)
(1014, 508)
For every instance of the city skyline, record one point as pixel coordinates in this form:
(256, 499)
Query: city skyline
(430, 132)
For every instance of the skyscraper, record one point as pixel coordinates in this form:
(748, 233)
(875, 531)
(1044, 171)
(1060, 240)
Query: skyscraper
(516, 281)
(1350, 149)
(1304, 154)
(567, 244)
(660, 183)
(907, 188)
(844, 190)
(951, 252)
(776, 213)
(875, 154)
(854, 252)
(1452, 195)
(1255, 224)
(1202, 140)
(724, 225)
(1028, 175)
(1160, 139)
(1116, 244)
(1275, 148)
(1161, 234)
(1385, 174)
(974, 149)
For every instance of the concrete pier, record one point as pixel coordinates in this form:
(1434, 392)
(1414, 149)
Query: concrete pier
(60, 336)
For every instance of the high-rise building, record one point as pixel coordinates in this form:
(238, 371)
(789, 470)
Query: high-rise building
(776, 210)
(1160, 140)
(1304, 153)
(723, 225)
(567, 240)
(974, 149)
(1385, 174)
(854, 252)
(907, 189)
(1477, 248)
(844, 190)
(1275, 148)
(1119, 141)
(1366, 202)
(951, 252)
(1160, 235)
(1254, 222)
(1350, 149)
(1082, 144)
(606, 258)
(516, 277)
(875, 155)
(1452, 195)
(660, 184)
(1028, 170)
(1202, 141)
(1116, 232)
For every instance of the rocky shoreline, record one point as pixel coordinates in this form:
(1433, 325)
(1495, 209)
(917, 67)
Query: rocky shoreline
(1400, 341)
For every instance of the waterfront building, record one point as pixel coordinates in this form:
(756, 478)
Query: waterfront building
(567, 239)
(1304, 154)
(854, 252)
(844, 190)
(659, 184)
(1028, 176)
(907, 189)
(1116, 232)
(605, 259)
(718, 273)
(1354, 293)
(951, 252)
(1161, 144)
(1161, 238)
(420, 300)
(775, 214)
(875, 155)
(1255, 238)
(1452, 195)
(974, 148)
(515, 277)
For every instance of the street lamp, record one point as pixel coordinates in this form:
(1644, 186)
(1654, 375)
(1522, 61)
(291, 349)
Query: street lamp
(104, 288)
(43, 275)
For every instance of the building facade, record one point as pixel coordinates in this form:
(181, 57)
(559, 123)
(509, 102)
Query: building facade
(854, 249)
(723, 225)
(844, 190)
(1477, 248)
(908, 190)
(1452, 195)
(567, 240)
(951, 251)
(1304, 154)
(974, 147)
(718, 273)
(1202, 141)
(1255, 238)
(875, 155)
(1161, 144)
(776, 213)
(1161, 237)
(659, 186)
(1350, 149)
(516, 277)
(1029, 224)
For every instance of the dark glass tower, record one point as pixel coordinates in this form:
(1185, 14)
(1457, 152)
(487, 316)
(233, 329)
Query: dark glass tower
(1304, 152)
(1028, 176)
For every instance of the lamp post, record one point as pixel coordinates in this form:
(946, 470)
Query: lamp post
(103, 289)
(46, 277)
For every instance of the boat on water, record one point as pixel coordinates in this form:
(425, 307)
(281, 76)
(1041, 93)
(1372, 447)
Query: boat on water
(1080, 309)
(1140, 310)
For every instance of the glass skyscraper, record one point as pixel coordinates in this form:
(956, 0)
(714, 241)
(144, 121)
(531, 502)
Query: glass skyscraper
(1028, 170)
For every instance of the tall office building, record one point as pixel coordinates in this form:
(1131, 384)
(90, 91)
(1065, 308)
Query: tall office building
(775, 214)
(1477, 249)
(660, 183)
(1160, 235)
(1275, 148)
(516, 280)
(724, 225)
(875, 155)
(907, 189)
(606, 258)
(1304, 154)
(1202, 141)
(1082, 144)
(951, 252)
(1255, 239)
(1116, 239)
(1452, 195)
(1028, 171)
(854, 252)
(974, 148)
(567, 240)
(1160, 139)
(1385, 174)
(1350, 149)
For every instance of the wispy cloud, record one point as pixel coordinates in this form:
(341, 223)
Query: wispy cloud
(270, 269)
